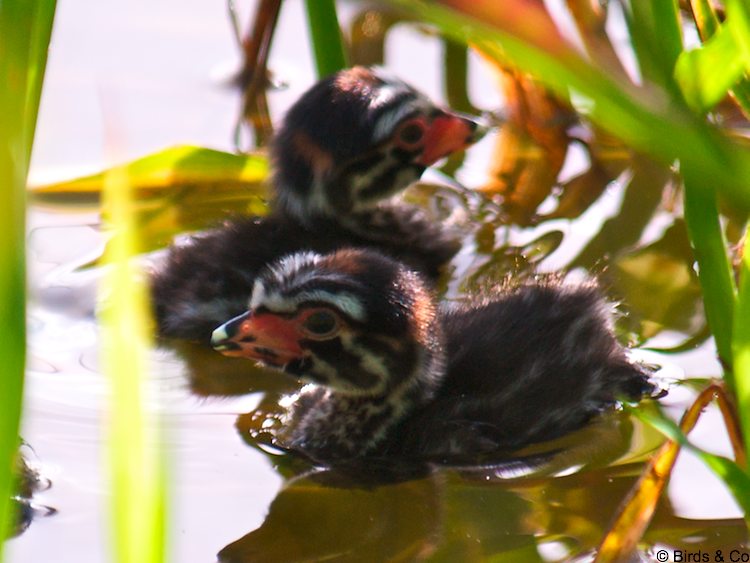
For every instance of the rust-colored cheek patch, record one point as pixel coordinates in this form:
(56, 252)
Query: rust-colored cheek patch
(319, 159)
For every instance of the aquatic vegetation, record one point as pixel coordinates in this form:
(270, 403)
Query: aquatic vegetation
(24, 33)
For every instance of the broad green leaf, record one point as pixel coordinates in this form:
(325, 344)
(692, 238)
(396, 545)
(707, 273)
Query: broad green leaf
(707, 22)
(176, 190)
(706, 74)
(168, 173)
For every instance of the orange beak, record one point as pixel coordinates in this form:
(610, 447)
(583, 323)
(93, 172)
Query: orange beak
(269, 338)
(448, 133)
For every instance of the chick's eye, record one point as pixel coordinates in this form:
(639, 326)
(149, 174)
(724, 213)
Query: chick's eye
(411, 133)
(321, 323)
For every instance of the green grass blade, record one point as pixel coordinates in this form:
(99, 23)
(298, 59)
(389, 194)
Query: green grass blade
(741, 347)
(137, 467)
(326, 37)
(737, 481)
(657, 38)
(24, 34)
(714, 270)
(40, 33)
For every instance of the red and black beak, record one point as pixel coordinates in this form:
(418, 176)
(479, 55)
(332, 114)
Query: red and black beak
(266, 337)
(449, 132)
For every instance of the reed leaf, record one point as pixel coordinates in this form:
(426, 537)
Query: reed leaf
(741, 347)
(326, 37)
(25, 29)
(714, 270)
(656, 32)
(169, 176)
(137, 468)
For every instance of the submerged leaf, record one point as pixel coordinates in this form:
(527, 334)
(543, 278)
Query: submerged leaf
(658, 285)
(176, 190)
(636, 511)
(171, 173)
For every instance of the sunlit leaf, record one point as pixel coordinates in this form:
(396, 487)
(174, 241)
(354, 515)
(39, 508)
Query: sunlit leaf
(741, 346)
(706, 74)
(525, 19)
(173, 174)
(138, 474)
(705, 17)
(176, 190)
(707, 23)
(638, 507)
(738, 20)
(25, 30)
(714, 270)
(523, 173)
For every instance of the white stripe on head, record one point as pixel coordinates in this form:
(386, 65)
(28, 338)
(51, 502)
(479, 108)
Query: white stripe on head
(344, 302)
(293, 272)
(290, 265)
(258, 295)
(387, 122)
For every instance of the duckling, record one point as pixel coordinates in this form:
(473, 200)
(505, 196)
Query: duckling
(391, 373)
(350, 143)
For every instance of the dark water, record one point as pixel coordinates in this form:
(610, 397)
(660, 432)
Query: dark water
(127, 80)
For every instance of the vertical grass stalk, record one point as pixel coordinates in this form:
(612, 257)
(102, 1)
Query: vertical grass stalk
(741, 348)
(137, 468)
(328, 45)
(714, 270)
(25, 29)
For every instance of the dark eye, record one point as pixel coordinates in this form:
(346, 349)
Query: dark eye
(411, 133)
(321, 323)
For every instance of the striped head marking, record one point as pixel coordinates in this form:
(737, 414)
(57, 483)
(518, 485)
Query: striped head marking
(353, 320)
(358, 137)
